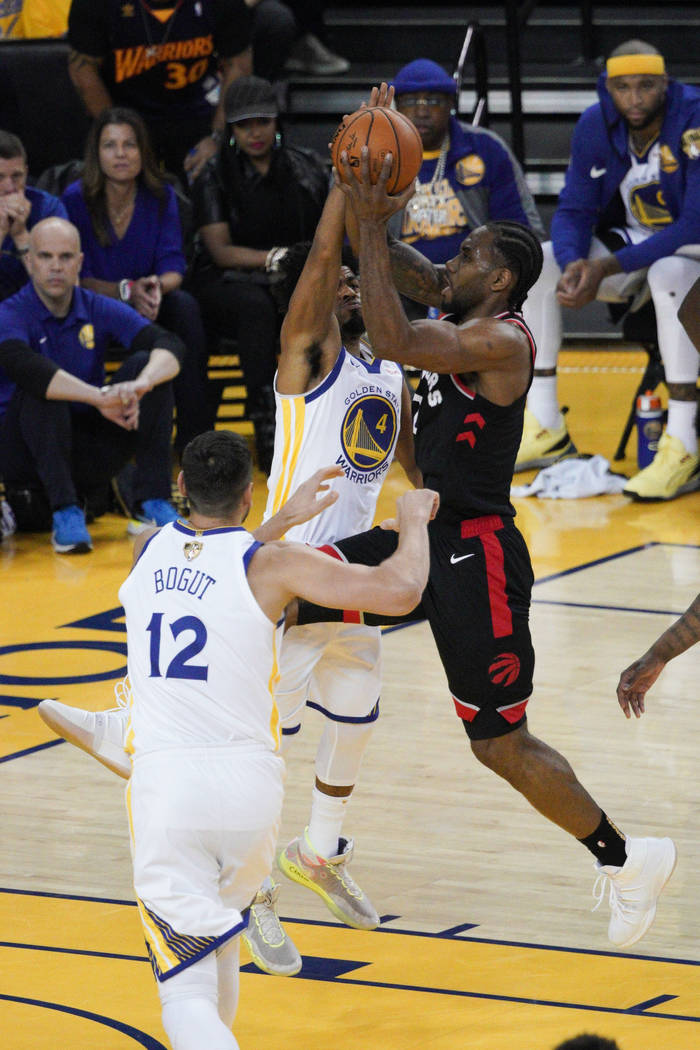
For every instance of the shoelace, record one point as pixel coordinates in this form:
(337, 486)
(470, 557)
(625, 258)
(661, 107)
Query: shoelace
(617, 904)
(266, 916)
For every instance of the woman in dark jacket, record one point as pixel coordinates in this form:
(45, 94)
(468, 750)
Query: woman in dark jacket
(253, 199)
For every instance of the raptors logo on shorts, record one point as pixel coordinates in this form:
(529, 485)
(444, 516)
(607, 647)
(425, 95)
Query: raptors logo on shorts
(505, 669)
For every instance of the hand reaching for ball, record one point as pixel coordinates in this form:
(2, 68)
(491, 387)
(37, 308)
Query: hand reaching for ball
(369, 198)
(382, 130)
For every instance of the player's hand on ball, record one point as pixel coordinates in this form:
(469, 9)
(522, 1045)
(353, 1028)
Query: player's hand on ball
(370, 200)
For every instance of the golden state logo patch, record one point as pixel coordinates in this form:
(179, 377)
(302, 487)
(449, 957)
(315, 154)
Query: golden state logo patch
(691, 143)
(667, 161)
(368, 432)
(86, 337)
(470, 170)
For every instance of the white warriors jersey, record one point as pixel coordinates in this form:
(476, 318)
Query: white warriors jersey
(351, 418)
(202, 655)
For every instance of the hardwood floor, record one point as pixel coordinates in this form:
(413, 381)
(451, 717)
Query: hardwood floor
(487, 938)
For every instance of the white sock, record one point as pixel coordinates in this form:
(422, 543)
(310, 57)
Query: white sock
(326, 822)
(543, 403)
(681, 423)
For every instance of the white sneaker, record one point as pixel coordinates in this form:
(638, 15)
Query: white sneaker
(635, 888)
(270, 947)
(99, 733)
(329, 877)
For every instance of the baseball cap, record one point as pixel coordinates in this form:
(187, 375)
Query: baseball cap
(250, 97)
(424, 75)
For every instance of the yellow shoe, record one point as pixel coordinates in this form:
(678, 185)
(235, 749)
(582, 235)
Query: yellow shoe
(672, 471)
(540, 447)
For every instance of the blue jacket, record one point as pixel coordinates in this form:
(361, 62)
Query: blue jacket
(600, 161)
(492, 186)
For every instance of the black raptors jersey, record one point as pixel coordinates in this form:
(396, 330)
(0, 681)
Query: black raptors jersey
(465, 445)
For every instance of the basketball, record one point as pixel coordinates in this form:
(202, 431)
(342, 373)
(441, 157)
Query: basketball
(383, 131)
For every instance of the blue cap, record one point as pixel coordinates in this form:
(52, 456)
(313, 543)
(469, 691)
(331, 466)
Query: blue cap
(424, 75)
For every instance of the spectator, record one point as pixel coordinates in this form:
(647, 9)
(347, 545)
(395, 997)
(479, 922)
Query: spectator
(163, 60)
(21, 208)
(22, 19)
(468, 176)
(254, 198)
(636, 679)
(129, 224)
(310, 53)
(627, 225)
(52, 343)
(588, 1042)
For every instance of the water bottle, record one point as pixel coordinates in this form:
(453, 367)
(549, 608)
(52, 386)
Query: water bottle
(649, 427)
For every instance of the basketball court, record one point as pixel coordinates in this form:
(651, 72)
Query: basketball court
(487, 938)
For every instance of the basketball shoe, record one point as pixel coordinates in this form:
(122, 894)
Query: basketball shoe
(98, 733)
(271, 949)
(540, 446)
(672, 472)
(635, 888)
(329, 877)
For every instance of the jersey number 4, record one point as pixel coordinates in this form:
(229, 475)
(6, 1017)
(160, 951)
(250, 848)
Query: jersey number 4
(180, 665)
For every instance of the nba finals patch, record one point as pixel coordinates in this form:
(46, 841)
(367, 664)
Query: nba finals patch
(192, 549)
(667, 161)
(470, 170)
(691, 143)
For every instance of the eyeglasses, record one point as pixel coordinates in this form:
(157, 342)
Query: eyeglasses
(414, 101)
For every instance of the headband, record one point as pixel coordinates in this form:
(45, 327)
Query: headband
(632, 65)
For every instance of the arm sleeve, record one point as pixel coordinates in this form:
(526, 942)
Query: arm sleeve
(168, 253)
(580, 201)
(28, 369)
(232, 33)
(88, 31)
(152, 335)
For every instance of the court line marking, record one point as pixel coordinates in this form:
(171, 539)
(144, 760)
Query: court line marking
(141, 1038)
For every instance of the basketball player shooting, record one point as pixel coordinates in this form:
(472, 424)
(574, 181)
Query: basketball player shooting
(477, 368)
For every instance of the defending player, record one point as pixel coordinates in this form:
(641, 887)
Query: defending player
(202, 604)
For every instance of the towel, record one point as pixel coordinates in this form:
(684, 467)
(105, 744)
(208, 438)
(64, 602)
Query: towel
(573, 478)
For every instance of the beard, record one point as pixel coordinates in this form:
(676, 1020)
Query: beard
(353, 327)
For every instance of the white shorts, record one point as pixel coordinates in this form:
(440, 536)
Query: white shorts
(333, 667)
(204, 824)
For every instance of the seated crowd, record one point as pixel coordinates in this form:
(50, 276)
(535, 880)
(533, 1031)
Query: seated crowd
(157, 245)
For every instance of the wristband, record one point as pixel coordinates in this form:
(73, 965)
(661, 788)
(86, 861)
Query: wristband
(217, 135)
(125, 287)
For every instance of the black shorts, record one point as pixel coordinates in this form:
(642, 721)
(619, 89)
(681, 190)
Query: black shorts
(477, 602)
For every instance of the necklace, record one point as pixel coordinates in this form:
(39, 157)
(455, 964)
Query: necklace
(117, 215)
(425, 190)
(163, 18)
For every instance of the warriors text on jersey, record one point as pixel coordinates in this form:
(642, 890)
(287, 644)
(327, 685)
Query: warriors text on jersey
(351, 418)
(465, 445)
(202, 654)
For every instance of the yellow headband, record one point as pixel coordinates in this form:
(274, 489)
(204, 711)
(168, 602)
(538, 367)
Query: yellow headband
(633, 65)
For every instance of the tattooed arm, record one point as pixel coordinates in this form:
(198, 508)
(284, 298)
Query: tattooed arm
(641, 675)
(84, 71)
(414, 275)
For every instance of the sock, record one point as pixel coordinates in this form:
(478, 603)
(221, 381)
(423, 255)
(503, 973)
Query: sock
(681, 423)
(542, 402)
(326, 822)
(607, 844)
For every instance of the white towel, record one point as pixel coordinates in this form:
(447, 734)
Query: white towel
(573, 478)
